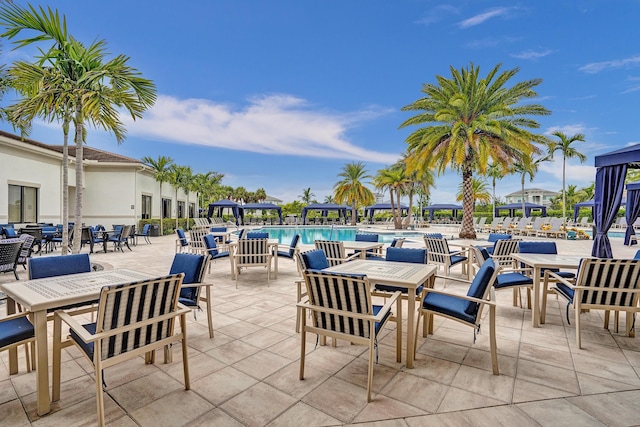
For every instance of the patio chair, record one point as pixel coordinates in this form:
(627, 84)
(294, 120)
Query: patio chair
(341, 308)
(252, 253)
(9, 253)
(502, 252)
(439, 254)
(334, 251)
(25, 251)
(314, 259)
(480, 225)
(535, 227)
(9, 232)
(132, 320)
(16, 330)
(367, 237)
(36, 232)
(464, 309)
(211, 249)
(182, 244)
(555, 230)
(146, 229)
(544, 248)
(290, 250)
(120, 237)
(196, 242)
(397, 242)
(58, 266)
(193, 267)
(602, 284)
(494, 237)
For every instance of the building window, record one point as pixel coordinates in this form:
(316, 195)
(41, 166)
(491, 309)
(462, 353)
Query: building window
(180, 210)
(192, 210)
(146, 207)
(23, 204)
(166, 208)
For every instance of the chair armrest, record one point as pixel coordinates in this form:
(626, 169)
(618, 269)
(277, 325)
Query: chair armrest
(390, 301)
(352, 257)
(556, 278)
(15, 316)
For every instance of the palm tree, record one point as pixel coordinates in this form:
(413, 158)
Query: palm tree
(564, 146)
(479, 190)
(494, 171)
(84, 87)
(161, 168)
(307, 197)
(329, 199)
(187, 185)
(261, 194)
(392, 179)
(472, 120)
(587, 193)
(177, 178)
(527, 166)
(352, 190)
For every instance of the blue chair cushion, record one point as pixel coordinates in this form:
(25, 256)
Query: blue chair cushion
(211, 245)
(257, 235)
(637, 255)
(15, 330)
(374, 257)
(220, 255)
(366, 237)
(10, 233)
(489, 250)
(537, 247)
(457, 258)
(506, 280)
(181, 236)
(434, 235)
(449, 305)
(87, 347)
(389, 288)
(494, 237)
(485, 253)
(479, 285)
(376, 309)
(565, 291)
(315, 259)
(416, 256)
(190, 265)
(58, 265)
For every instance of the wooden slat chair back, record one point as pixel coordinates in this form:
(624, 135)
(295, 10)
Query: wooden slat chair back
(341, 308)
(438, 253)
(503, 250)
(334, 251)
(133, 319)
(602, 284)
(252, 253)
(196, 240)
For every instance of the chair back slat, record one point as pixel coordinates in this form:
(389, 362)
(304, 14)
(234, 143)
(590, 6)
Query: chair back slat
(252, 251)
(607, 280)
(503, 250)
(333, 250)
(437, 250)
(347, 293)
(123, 305)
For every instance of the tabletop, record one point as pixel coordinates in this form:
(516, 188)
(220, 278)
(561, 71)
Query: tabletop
(51, 292)
(387, 272)
(549, 260)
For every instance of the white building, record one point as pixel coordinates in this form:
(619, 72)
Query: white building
(532, 195)
(117, 189)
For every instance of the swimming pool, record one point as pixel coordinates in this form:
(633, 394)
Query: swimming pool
(308, 234)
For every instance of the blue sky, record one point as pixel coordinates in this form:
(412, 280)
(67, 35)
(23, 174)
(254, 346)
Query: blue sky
(281, 94)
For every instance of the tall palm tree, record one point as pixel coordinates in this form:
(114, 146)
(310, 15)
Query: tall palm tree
(479, 190)
(329, 199)
(261, 194)
(472, 120)
(394, 180)
(568, 152)
(307, 196)
(494, 171)
(87, 88)
(187, 186)
(161, 168)
(352, 190)
(177, 178)
(527, 166)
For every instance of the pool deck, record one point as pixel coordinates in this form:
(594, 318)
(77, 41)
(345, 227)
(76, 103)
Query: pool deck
(248, 373)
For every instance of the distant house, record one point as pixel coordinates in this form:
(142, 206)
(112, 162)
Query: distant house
(271, 199)
(117, 189)
(532, 195)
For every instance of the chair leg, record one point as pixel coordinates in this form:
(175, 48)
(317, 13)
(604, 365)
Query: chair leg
(303, 341)
(209, 315)
(99, 395)
(492, 340)
(185, 356)
(370, 371)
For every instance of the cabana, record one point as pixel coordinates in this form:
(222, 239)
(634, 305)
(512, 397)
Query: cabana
(443, 207)
(260, 206)
(633, 211)
(587, 204)
(370, 210)
(528, 207)
(324, 208)
(219, 206)
(611, 171)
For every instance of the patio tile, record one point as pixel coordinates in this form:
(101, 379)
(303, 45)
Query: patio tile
(177, 408)
(499, 387)
(233, 351)
(262, 364)
(13, 414)
(258, 405)
(525, 391)
(385, 408)
(143, 391)
(216, 418)
(413, 390)
(301, 411)
(487, 417)
(222, 385)
(338, 399)
(558, 413)
(547, 375)
(620, 409)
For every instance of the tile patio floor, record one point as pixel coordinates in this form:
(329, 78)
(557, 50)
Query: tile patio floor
(248, 374)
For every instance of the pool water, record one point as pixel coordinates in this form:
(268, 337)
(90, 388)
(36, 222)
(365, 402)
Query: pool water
(309, 234)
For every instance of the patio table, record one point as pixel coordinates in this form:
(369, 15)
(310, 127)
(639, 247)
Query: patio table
(363, 247)
(465, 245)
(538, 262)
(41, 295)
(401, 274)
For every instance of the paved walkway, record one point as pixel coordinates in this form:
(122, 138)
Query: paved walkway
(248, 373)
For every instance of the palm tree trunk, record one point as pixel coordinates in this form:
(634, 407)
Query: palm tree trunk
(354, 214)
(177, 209)
(398, 224)
(467, 231)
(65, 188)
(77, 234)
(564, 196)
(410, 208)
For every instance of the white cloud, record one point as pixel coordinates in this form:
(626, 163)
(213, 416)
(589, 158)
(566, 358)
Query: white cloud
(567, 129)
(274, 124)
(437, 14)
(580, 174)
(532, 54)
(596, 67)
(482, 17)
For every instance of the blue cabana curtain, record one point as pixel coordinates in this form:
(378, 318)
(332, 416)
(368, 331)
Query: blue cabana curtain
(608, 197)
(633, 211)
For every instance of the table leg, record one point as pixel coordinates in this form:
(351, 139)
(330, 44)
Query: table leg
(535, 309)
(42, 364)
(411, 308)
(275, 263)
(399, 330)
(13, 353)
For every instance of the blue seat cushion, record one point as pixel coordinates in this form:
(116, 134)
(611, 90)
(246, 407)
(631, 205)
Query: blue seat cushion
(188, 296)
(389, 288)
(285, 254)
(457, 258)
(87, 347)
(315, 260)
(376, 309)
(506, 280)
(416, 256)
(563, 274)
(190, 265)
(449, 305)
(59, 266)
(565, 291)
(257, 235)
(15, 330)
(479, 285)
(220, 255)
(10, 233)
(489, 250)
(494, 237)
(373, 257)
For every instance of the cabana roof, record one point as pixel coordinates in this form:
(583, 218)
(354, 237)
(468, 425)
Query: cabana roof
(221, 205)
(324, 207)
(260, 206)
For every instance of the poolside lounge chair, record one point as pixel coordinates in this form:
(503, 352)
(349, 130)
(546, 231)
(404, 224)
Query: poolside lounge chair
(349, 314)
(555, 230)
(535, 227)
(480, 224)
